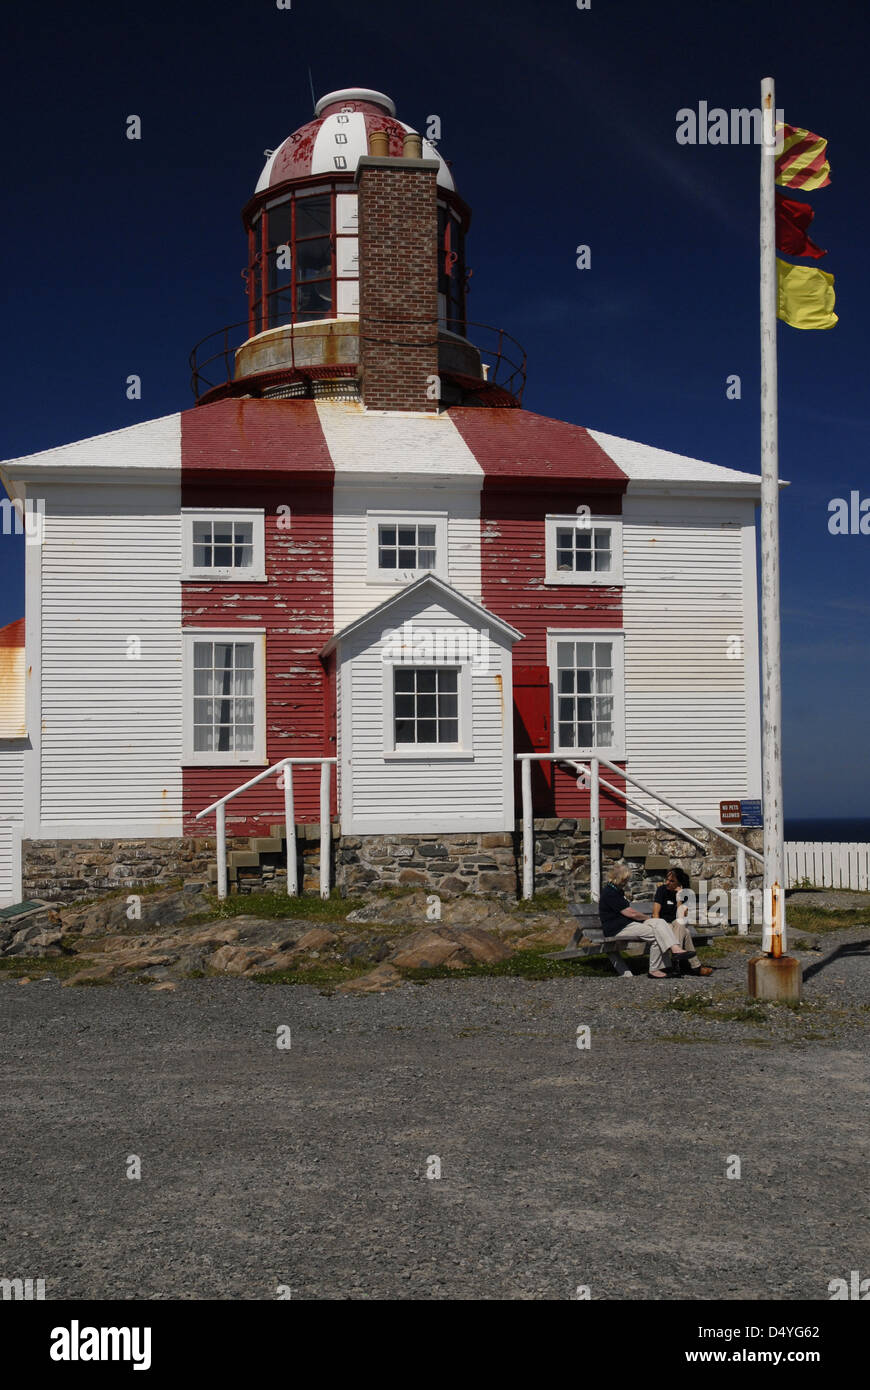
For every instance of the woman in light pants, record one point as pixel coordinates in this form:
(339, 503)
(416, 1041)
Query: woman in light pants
(655, 930)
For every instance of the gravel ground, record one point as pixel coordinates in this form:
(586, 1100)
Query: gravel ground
(307, 1167)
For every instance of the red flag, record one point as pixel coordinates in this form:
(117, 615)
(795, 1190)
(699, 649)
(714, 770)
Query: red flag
(792, 220)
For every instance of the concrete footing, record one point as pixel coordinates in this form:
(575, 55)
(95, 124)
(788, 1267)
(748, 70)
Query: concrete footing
(775, 978)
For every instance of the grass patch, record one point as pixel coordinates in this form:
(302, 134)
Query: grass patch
(314, 908)
(13, 967)
(542, 902)
(820, 919)
(704, 1006)
(525, 965)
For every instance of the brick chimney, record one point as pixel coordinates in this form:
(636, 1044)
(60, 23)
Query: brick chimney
(398, 270)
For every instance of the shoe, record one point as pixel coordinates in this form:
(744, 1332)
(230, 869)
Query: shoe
(700, 970)
(656, 975)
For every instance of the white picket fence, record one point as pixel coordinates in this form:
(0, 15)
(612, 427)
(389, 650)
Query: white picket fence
(827, 865)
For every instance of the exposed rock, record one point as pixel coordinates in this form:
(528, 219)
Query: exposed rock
(482, 946)
(236, 960)
(111, 914)
(35, 940)
(426, 949)
(454, 947)
(315, 939)
(212, 934)
(384, 977)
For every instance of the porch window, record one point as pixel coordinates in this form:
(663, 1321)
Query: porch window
(224, 697)
(426, 705)
(223, 544)
(583, 550)
(587, 682)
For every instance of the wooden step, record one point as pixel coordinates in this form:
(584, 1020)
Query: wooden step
(273, 845)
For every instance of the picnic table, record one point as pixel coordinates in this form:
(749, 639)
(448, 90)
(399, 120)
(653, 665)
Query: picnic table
(589, 939)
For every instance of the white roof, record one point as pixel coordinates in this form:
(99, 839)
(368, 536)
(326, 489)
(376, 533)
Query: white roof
(644, 463)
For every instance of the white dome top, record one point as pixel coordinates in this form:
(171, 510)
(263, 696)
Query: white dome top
(338, 137)
(348, 94)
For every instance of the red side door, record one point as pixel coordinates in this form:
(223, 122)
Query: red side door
(532, 731)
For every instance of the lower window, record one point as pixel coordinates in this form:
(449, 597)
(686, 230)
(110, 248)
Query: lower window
(224, 701)
(587, 682)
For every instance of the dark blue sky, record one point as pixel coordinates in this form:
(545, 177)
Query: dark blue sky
(560, 125)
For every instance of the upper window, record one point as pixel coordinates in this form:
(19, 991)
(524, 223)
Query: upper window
(224, 697)
(402, 548)
(586, 673)
(406, 547)
(584, 550)
(223, 544)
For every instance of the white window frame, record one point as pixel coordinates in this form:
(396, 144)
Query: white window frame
(616, 751)
(257, 755)
(256, 573)
(374, 519)
(426, 752)
(557, 576)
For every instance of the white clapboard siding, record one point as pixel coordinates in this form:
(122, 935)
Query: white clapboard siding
(10, 862)
(438, 795)
(11, 814)
(111, 725)
(353, 595)
(827, 865)
(689, 706)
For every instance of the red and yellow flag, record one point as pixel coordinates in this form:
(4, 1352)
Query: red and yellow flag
(802, 162)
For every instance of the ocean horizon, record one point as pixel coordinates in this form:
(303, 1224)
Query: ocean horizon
(832, 829)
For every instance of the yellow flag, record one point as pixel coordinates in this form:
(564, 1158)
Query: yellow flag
(804, 296)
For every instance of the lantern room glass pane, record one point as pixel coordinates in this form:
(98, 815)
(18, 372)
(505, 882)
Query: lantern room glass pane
(314, 300)
(313, 217)
(280, 225)
(313, 259)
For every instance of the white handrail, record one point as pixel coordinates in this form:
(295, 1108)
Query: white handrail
(634, 805)
(696, 820)
(286, 764)
(596, 781)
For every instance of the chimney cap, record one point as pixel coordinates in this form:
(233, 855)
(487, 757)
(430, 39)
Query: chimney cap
(356, 94)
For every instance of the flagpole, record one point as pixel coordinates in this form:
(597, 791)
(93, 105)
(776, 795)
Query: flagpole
(774, 939)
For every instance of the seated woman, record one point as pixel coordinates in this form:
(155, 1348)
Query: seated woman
(619, 918)
(670, 905)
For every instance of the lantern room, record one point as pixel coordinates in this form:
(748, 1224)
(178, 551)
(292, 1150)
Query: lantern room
(302, 223)
(356, 274)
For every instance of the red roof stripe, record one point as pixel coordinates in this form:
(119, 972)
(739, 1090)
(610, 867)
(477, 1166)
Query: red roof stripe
(518, 444)
(254, 436)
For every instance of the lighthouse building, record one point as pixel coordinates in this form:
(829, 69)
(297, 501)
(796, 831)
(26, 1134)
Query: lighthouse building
(358, 550)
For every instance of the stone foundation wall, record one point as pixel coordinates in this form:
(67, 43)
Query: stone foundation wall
(67, 870)
(446, 864)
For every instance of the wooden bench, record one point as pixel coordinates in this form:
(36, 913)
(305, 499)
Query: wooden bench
(595, 943)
